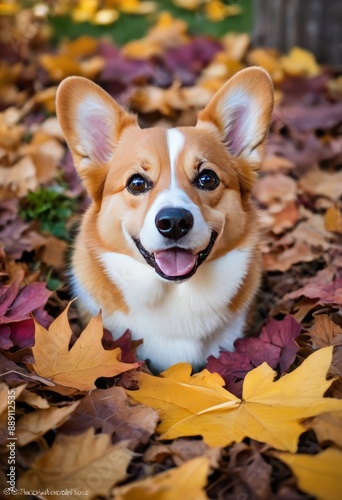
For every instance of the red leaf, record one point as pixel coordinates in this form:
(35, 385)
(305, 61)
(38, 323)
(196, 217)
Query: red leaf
(7, 296)
(22, 333)
(5, 341)
(30, 298)
(127, 346)
(282, 334)
(325, 294)
(275, 345)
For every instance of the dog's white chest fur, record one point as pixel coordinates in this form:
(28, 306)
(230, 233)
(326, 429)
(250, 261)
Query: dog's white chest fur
(178, 322)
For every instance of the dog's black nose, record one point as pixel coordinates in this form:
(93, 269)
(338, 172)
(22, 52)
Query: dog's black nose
(174, 222)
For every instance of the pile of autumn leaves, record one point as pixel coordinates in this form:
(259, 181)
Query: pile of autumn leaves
(274, 404)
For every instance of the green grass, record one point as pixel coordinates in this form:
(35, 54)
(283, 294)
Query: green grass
(130, 27)
(51, 208)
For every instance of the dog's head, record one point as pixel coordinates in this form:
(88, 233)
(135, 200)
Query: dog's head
(172, 197)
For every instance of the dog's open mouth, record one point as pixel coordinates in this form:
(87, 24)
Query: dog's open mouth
(176, 264)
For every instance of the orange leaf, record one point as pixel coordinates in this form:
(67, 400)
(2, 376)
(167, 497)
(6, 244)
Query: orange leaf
(333, 220)
(80, 366)
(300, 62)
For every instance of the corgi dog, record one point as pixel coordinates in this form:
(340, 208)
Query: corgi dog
(169, 245)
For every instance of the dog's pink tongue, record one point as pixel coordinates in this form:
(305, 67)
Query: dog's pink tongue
(175, 262)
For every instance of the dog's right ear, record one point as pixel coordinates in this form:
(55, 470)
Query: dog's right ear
(92, 123)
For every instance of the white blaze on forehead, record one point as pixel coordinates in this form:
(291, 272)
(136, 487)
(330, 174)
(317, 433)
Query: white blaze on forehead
(175, 142)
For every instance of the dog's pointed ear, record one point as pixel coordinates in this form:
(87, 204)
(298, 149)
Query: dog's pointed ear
(92, 123)
(240, 113)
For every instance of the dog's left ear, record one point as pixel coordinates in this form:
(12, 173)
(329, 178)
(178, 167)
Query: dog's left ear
(92, 123)
(240, 113)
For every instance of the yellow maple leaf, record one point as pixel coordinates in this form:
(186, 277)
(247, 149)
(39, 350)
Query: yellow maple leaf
(300, 62)
(186, 481)
(217, 11)
(319, 475)
(80, 366)
(270, 412)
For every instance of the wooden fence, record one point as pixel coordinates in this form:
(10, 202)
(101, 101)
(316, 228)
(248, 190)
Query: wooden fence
(312, 24)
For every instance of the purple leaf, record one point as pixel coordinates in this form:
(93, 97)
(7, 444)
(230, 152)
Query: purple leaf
(22, 333)
(258, 351)
(7, 296)
(30, 298)
(282, 334)
(5, 341)
(275, 345)
(126, 71)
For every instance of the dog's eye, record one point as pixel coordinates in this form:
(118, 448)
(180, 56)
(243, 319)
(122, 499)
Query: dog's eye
(137, 184)
(207, 180)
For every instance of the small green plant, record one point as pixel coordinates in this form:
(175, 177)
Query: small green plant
(51, 208)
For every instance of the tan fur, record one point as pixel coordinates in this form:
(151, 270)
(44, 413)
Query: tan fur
(227, 210)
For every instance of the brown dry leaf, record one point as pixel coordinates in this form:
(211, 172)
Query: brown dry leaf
(18, 179)
(34, 425)
(60, 66)
(92, 67)
(167, 101)
(325, 332)
(308, 241)
(169, 31)
(321, 183)
(319, 475)
(282, 260)
(141, 49)
(327, 428)
(10, 133)
(269, 60)
(256, 475)
(53, 252)
(87, 464)
(184, 482)
(274, 163)
(34, 400)
(46, 98)
(311, 232)
(80, 366)
(236, 45)
(333, 219)
(52, 128)
(182, 450)
(300, 62)
(218, 71)
(336, 365)
(46, 152)
(286, 218)
(4, 388)
(278, 188)
(113, 412)
(82, 46)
